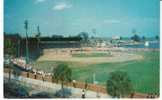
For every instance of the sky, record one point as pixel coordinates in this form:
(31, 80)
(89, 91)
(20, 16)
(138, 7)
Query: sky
(70, 17)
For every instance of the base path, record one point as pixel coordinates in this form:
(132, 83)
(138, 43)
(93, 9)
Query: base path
(116, 57)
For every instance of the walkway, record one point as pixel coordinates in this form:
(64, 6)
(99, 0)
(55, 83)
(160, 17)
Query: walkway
(41, 86)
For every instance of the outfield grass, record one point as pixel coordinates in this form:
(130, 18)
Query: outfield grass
(144, 73)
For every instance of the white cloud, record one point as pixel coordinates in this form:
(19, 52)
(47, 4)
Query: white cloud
(40, 1)
(114, 21)
(61, 6)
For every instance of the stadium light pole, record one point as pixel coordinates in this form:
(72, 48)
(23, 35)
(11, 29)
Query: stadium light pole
(38, 36)
(18, 47)
(27, 49)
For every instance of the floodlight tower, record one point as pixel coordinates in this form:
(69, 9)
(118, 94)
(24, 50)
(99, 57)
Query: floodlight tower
(18, 50)
(38, 30)
(95, 36)
(27, 49)
(38, 36)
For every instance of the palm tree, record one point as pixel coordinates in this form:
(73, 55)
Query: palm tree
(157, 37)
(10, 52)
(119, 85)
(27, 49)
(62, 73)
(9, 47)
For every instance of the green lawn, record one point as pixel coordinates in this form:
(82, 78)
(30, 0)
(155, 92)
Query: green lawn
(143, 73)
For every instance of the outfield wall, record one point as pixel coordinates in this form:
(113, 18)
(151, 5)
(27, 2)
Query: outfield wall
(81, 85)
(98, 49)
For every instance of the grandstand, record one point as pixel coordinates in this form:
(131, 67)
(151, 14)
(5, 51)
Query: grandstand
(37, 45)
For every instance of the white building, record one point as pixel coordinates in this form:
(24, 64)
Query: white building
(115, 37)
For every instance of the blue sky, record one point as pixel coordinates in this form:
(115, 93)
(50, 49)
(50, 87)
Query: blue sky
(69, 17)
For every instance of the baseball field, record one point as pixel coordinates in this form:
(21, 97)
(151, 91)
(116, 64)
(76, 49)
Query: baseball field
(141, 66)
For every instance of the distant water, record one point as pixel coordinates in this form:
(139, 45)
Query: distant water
(151, 45)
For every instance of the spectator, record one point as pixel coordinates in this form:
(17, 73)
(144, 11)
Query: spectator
(35, 75)
(27, 74)
(43, 76)
(132, 95)
(74, 83)
(83, 93)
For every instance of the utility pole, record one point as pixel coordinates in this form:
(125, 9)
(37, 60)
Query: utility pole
(27, 49)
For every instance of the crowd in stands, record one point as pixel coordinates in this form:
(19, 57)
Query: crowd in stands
(20, 62)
